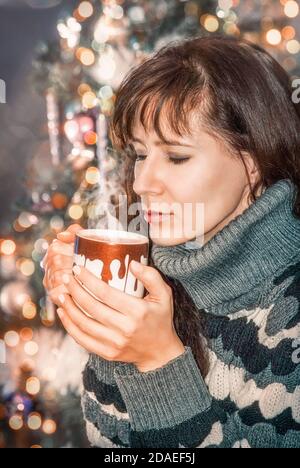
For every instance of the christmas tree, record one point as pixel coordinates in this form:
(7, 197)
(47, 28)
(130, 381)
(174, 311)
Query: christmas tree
(78, 75)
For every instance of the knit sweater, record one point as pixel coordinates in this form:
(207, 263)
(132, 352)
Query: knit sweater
(246, 282)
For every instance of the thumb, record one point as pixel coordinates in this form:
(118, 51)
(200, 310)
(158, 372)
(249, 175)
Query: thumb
(151, 279)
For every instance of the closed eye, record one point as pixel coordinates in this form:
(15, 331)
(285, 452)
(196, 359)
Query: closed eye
(142, 157)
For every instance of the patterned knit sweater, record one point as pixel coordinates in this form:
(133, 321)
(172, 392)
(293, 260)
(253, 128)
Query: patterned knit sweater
(246, 280)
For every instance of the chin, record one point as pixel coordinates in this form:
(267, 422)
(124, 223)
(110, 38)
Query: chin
(167, 242)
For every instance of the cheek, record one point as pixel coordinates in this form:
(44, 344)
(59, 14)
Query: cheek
(217, 187)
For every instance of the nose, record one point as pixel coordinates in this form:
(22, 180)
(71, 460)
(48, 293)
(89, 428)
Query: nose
(148, 177)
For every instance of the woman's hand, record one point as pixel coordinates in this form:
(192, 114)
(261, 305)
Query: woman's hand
(59, 261)
(119, 326)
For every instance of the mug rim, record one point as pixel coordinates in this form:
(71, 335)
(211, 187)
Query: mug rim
(115, 232)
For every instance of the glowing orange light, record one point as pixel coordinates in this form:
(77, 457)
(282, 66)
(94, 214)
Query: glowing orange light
(8, 247)
(90, 138)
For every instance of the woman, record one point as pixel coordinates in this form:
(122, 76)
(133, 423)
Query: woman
(210, 357)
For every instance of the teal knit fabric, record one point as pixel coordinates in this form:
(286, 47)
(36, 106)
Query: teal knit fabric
(246, 281)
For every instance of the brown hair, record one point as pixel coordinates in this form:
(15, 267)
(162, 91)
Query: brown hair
(241, 95)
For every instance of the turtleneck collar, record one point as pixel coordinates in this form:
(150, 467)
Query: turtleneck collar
(228, 272)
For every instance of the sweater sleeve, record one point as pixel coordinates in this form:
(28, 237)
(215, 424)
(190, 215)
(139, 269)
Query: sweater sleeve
(172, 407)
(104, 411)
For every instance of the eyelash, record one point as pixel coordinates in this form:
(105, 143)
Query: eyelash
(175, 161)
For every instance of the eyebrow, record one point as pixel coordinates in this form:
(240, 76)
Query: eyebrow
(161, 143)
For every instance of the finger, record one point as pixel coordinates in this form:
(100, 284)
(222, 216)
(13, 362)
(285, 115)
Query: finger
(109, 317)
(152, 280)
(46, 282)
(69, 234)
(54, 294)
(87, 325)
(57, 277)
(113, 297)
(60, 262)
(62, 248)
(44, 261)
(85, 341)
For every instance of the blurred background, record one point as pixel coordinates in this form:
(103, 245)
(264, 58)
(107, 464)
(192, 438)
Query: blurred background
(61, 62)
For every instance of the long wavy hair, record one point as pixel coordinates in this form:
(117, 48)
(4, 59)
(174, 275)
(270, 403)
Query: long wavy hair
(242, 96)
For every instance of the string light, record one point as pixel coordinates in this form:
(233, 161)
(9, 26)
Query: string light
(75, 212)
(291, 9)
(26, 220)
(29, 310)
(11, 339)
(85, 9)
(34, 421)
(90, 138)
(211, 23)
(41, 245)
(225, 4)
(274, 37)
(26, 334)
(106, 92)
(83, 88)
(8, 247)
(31, 348)
(87, 57)
(33, 386)
(288, 32)
(92, 175)
(89, 100)
(16, 422)
(57, 223)
(27, 267)
(293, 47)
(49, 426)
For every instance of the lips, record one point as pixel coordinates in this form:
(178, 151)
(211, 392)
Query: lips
(155, 216)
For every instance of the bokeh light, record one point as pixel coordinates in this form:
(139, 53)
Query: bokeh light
(274, 37)
(291, 9)
(75, 212)
(34, 421)
(33, 386)
(8, 247)
(293, 46)
(26, 334)
(85, 9)
(49, 426)
(29, 310)
(27, 267)
(89, 100)
(16, 422)
(11, 339)
(288, 32)
(92, 175)
(31, 348)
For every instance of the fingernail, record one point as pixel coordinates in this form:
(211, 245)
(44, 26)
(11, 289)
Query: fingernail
(61, 298)
(66, 279)
(76, 270)
(136, 266)
(60, 313)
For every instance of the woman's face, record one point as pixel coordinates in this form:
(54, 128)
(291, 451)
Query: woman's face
(206, 190)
